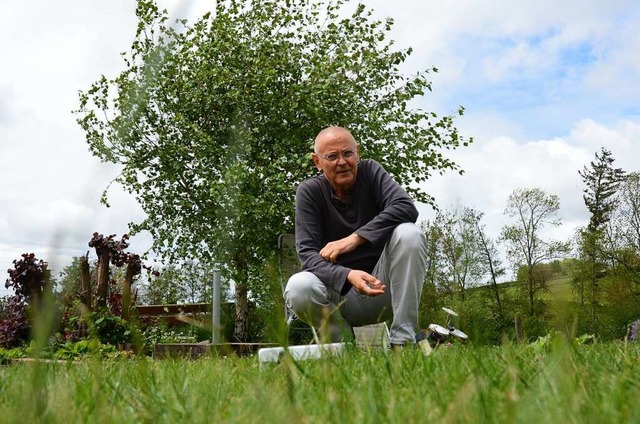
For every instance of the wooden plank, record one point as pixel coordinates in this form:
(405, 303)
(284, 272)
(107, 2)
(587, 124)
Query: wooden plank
(175, 309)
(196, 350)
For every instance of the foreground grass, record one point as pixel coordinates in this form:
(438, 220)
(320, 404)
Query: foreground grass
(555, 383)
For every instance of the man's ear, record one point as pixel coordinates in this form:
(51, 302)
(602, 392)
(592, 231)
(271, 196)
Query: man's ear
(316, 161)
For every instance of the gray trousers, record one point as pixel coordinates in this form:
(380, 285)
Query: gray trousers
(401, 268)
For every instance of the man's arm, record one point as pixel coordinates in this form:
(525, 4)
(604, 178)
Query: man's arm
(396, 207)
(333, 249)
(319, 255)
(310, 238)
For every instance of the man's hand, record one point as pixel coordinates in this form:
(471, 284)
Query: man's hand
(336, 248)
(365, 283)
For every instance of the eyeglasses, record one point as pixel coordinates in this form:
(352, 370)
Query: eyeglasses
(332, 157)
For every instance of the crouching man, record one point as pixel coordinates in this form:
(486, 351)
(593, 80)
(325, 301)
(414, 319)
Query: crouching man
(363, 257)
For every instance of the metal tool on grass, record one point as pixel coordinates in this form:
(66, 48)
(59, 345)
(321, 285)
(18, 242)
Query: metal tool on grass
(436, 334)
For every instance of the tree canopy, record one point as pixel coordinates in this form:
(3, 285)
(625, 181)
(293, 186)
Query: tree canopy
(212, 122)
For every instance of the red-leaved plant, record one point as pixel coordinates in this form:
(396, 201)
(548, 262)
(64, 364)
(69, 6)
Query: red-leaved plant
(29, 279)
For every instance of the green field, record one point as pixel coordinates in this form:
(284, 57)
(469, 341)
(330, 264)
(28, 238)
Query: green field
(553, 381)
(560, 289)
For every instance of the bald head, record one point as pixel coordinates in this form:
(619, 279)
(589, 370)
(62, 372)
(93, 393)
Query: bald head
(332, 133)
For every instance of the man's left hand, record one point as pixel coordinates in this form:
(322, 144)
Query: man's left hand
(336, 248)
(365, 283)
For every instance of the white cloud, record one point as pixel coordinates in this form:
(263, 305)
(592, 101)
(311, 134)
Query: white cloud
(496, 166)
(617, 72)
(525, 54)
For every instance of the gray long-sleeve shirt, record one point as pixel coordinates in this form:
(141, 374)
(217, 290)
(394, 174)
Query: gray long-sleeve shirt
(373, 209)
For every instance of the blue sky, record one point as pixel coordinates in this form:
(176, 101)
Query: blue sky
(545, 84)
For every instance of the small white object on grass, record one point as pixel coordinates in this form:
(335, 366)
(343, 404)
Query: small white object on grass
(273, 354)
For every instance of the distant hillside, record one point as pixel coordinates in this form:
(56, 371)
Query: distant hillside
(559, 288)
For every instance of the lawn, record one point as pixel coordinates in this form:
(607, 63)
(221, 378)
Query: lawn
(552, 381)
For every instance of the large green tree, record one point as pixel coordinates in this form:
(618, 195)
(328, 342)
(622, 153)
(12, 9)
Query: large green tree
(531, 210)
(626, 227)
(212, 122)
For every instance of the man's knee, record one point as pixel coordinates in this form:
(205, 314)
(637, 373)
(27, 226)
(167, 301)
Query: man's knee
(410, 236)
(299, 290)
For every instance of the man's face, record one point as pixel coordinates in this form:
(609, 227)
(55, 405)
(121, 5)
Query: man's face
(332, 145)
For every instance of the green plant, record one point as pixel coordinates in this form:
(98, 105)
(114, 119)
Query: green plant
(109, 329)
(82, 348)
(161, 333)
(7, 354)
(101, 325)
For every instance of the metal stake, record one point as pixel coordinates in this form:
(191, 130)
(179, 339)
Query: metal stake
(215, 328)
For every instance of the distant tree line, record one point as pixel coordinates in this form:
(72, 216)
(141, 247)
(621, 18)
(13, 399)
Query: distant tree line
(601, 264)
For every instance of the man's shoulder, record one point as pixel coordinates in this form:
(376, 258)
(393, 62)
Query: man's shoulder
(312, 183)
(369, 164)
(369, 167)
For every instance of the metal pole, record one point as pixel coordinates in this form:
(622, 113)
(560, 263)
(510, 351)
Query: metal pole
(215, 329)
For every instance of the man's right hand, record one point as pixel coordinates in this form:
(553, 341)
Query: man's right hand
(336, 248)
(365, 283)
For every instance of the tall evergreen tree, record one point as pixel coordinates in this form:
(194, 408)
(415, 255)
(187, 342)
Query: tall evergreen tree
(601, 180)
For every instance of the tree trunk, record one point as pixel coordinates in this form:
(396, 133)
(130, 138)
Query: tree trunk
(518, 326)
(492, 270)
(494, 285)
(593, 282)
(241, 329)
(594, 302)
(102, 286)
(531, 294)
(126, 290)
(581, 291)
